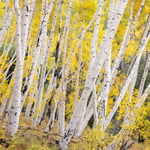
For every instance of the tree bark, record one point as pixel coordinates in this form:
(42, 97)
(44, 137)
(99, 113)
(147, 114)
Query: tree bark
(14, 113)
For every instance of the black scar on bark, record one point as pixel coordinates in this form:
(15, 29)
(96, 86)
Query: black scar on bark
(10, 123)
(37, 42)
(38, 38)
(123, 145)
(56, 73)
(25, 89)
(148, 34)
(65, 135)
(27, 8)
(12, 107)
(56, 55)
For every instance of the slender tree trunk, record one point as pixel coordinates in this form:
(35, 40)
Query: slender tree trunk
(6, 108)
(5, 23)
(14, 113)
(78, 75)
(28, 109)
(144, 75)
(95, 105)
(64, 73)
(30, 102)
(25, 27)
(79, 68)
(52, 117)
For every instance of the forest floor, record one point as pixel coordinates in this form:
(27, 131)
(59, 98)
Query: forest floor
(28, 138)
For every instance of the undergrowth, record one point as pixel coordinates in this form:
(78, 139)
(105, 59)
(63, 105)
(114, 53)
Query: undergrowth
(28, 138)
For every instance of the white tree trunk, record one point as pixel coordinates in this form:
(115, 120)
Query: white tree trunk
(144, 75)
(6, 108)
(34, 116)
(104, 100)
(28, 109)
(79, 68)
(31, 15)
(64, 71)
(95, 33)
(95, 105)
(30, 102)
(24, 27)
(6, 23)
(78, 75)
(14, 113)
(52, 115)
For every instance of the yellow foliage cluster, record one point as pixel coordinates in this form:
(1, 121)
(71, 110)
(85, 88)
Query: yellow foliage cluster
(3, 82)
(142, 124)
(115, 91)
(97, 139)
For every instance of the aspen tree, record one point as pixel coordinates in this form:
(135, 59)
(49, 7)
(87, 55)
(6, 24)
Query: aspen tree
(144, 75)
(14, 113)
(79, 64)
(52, 115)
(107, 75)
(25, 26)
(7, 105)
(64, 75)
(31, 95)
(6, 23)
